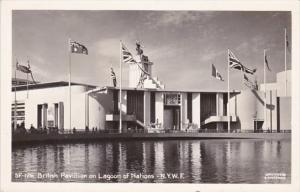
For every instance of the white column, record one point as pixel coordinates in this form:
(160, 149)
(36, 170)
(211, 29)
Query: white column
(219, 105)
(196, 109)
(45, 116)
(183, 111)
(159, 107)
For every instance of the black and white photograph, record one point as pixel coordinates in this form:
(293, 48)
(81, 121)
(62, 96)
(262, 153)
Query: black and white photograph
(183, 96)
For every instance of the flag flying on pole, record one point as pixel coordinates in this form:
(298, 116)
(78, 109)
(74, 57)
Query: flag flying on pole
(78, 48)
(249, 83)
(127, 56)
(113, 77)
(128, 59)
(287, 43)
(22, 68)
(235, 63)
(267, 63)
(25, 69)
(216, 74)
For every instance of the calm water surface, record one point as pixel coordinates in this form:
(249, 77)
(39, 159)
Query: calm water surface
(185, 161)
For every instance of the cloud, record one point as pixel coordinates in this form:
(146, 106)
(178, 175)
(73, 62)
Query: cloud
(42, 73)
(211, 55)
(254, 45)
(108, 47)
(157, 53)
(177, 18)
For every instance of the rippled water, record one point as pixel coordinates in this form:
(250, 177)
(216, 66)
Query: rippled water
(185, 161)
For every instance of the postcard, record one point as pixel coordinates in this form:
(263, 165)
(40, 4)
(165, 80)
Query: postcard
(143, 96)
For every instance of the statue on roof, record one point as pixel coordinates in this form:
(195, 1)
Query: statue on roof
(138, 49)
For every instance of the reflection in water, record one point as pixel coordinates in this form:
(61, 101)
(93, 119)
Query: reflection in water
(197, 161)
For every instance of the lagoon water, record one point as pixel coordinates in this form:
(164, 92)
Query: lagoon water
(171, 161)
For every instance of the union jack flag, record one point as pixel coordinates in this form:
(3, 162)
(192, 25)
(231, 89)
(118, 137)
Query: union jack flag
(113, 77)
(235, 63)
(127, 56)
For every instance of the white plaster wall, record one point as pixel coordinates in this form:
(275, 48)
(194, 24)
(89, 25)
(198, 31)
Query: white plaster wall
(124, 102)
(250, 104)
(285, 113)
(96, 114)
(100, 104)
(134, 75)
(272, 110)
(196, 108)
(246, 109)
(159, 107)
(279, 85)
(233, 102)
(51, 96)
(78, 112)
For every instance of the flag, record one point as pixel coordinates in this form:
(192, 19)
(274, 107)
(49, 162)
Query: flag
(249, 83)
(22, 68)
(216, 74)
(78, 48)
(113, 77)
(267, 63)
(287, 43)
(127, 56)
(235, 63)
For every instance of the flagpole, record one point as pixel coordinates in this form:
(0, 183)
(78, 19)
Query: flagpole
(265, 94)
(285, 68)
(70, 99)
(228, 94)
(120, 99)
(15, 109)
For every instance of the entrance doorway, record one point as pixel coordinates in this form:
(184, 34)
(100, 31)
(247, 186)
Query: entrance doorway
(258, 125)
(172, 117)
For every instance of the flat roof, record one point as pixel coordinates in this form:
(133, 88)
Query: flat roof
(48, 85)
(65, 83)
(168, 90)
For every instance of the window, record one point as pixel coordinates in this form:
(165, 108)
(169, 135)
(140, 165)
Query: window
(172, 99)
(18, 113)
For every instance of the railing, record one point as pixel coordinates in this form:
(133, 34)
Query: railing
(115, 131)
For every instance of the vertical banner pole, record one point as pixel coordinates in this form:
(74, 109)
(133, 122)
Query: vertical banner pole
(228, 94)
(285, 68)
(120, 99)
(70, 99)
(265, 94)
(27, 79)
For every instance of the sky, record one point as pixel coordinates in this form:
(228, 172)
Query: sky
(182, 44)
